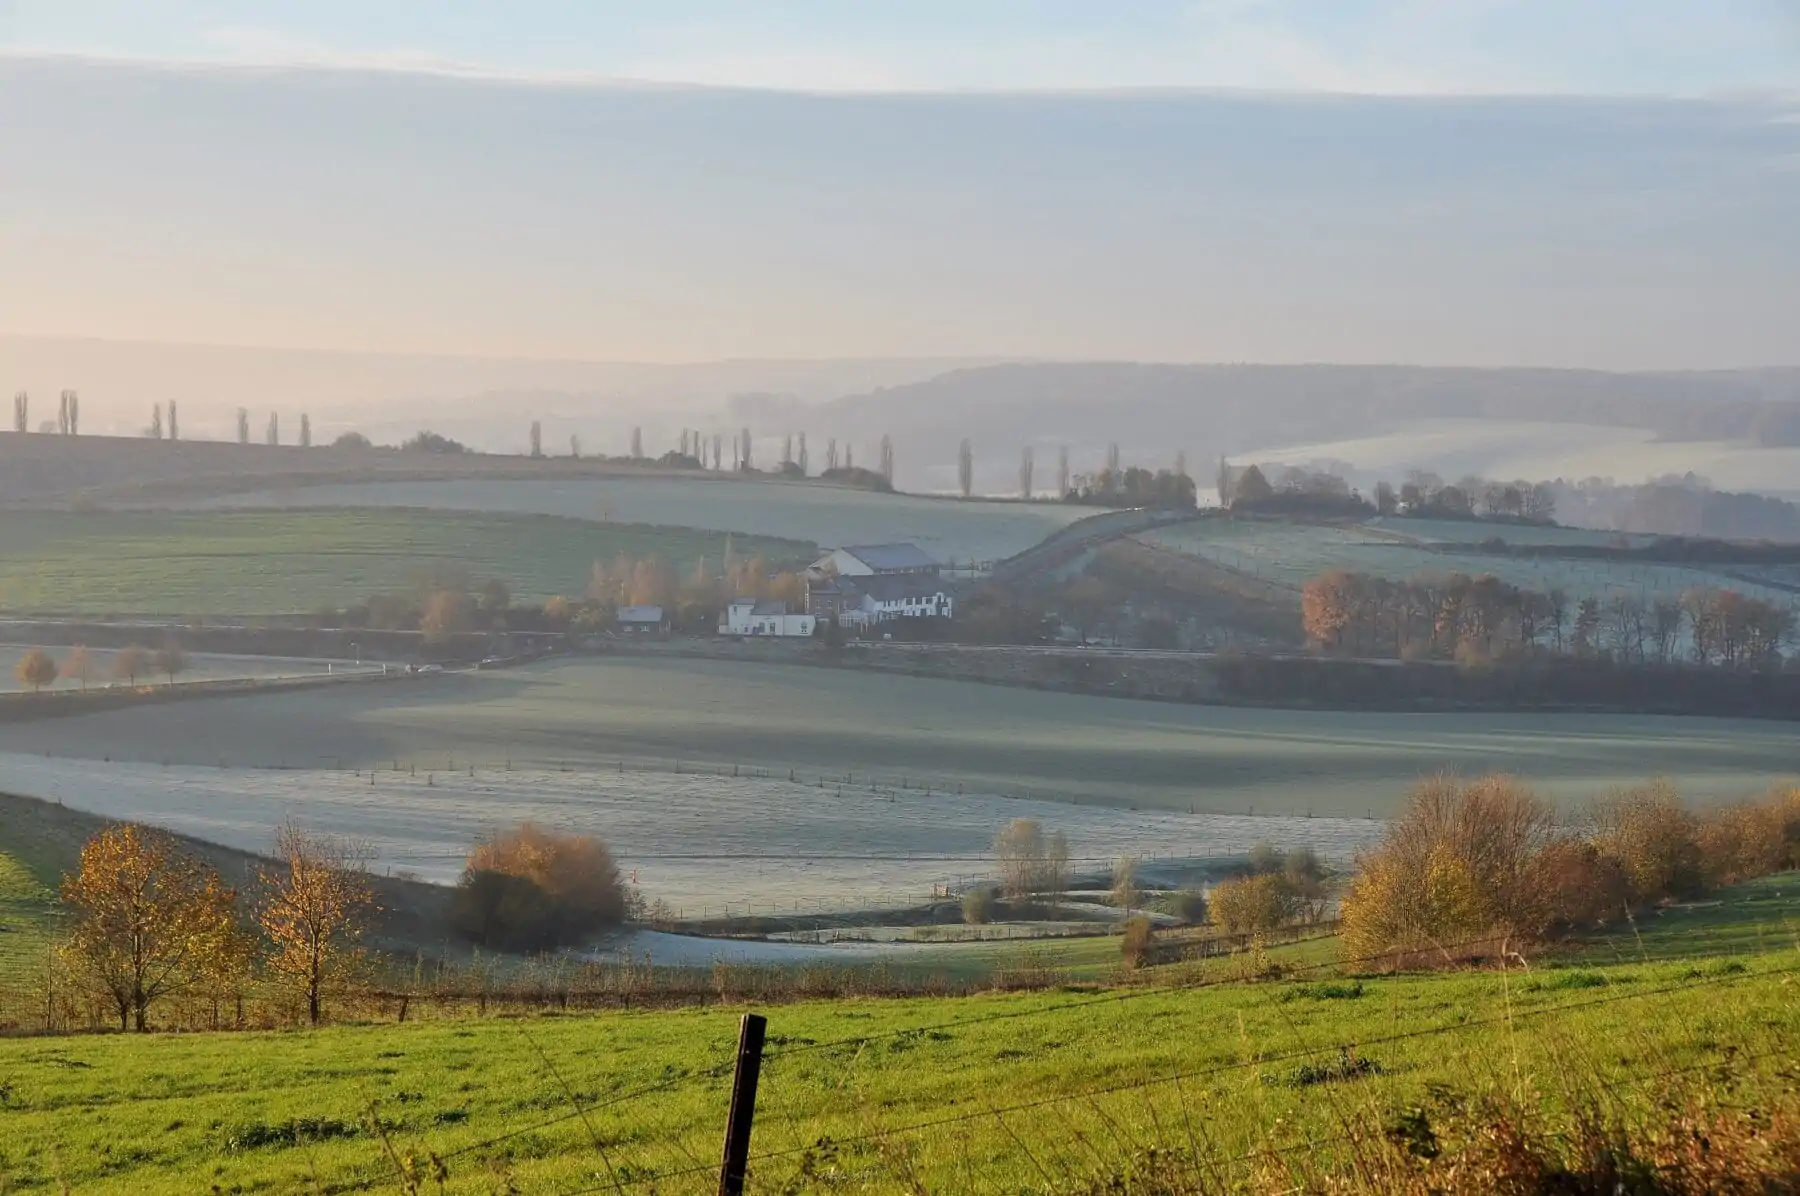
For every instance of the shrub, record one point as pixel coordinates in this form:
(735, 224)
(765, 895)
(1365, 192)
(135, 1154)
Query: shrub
(1190, 906)
(533, 890)
(1136, 946)
(1579, 885)
(1459, 862)
(1745, 840)
(980, 905)
(1251, 904)
(1654, 839)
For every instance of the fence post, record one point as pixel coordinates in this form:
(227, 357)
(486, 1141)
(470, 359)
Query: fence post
(743, 1104)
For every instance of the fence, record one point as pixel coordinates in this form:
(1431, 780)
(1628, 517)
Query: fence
(757, 1103)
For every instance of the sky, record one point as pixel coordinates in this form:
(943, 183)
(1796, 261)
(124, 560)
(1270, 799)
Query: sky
(1605, 183)
(1437, 47)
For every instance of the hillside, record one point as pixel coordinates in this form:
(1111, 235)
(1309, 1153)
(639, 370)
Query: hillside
(1151, 410)
(41, 841)
(1239, 1072)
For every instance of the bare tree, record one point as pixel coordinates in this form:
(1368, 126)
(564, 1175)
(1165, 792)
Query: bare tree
(718, 452)
(1026, 467)
(69, 419)
(128, 664)
(745, 462)
(1062, 471)
(887, 458)
(1031, 862)
(574, 446)
(305, 430)
(174, 422)
(801, 460)
(849, 456)
(22, 412)
(78, 665)
(637, 444)
(243, 425)
(171, 660)
(154, 431)
(787, 450)
(1112, 459)
(1181, 463)
(272, 436)
(831, 453)
(1125, 892)
(965, 468)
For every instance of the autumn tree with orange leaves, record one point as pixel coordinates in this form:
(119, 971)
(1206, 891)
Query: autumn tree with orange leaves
(37, 669)
(315, 908)
(151, 921)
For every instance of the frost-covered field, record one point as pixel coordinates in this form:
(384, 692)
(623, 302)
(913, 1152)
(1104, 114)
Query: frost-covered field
(651, 713)
(1292, 554)
(547, 742)
(823, 514)
(700, 843)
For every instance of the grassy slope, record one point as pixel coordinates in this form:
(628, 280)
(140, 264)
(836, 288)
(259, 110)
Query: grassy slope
(116, 1114)
(266, 562)
(40, 841)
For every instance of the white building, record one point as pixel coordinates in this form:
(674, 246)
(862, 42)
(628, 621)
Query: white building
(748, 617)
(878, 560)
(869, 600)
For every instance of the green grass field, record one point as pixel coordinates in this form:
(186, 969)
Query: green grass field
(1000, 1093)
(292, 562)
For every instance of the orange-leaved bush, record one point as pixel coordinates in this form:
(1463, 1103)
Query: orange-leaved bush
(534, 890)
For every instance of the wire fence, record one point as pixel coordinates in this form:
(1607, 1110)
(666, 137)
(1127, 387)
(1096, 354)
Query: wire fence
(808, 1126)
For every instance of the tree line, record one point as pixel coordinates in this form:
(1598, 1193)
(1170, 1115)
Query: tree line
(1476, 619)
(446, 600)
(37, 668)
(1423, 495)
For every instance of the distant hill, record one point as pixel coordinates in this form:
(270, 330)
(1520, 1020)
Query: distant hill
(1153, 410)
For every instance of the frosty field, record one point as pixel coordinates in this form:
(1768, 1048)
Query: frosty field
(1291, 554)
(707, 845)
(546, 742)
(826, 515)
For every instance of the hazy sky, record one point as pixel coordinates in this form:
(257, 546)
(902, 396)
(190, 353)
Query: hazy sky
(1539, 182)
(1644, 47)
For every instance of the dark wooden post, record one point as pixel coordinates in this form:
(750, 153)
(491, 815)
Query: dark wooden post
(743, 1105)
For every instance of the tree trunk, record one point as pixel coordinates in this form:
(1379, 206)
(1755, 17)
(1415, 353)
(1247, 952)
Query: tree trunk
(312, 1002)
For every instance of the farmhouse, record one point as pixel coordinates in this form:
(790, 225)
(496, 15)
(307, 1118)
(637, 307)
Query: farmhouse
(747, 616)
(877, 560)
(642, 620)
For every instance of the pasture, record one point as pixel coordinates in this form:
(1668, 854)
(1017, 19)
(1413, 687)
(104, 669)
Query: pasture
(950, 762)
(249, 563)
(1291, 554)
(828, 515)
(994, 1093)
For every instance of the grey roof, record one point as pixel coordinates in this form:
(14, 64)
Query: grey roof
(892, 556)
(640, 614)
(895, 587)
(769, 606)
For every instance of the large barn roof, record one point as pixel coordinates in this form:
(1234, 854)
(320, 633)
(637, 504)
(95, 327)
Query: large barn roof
(892, 556)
